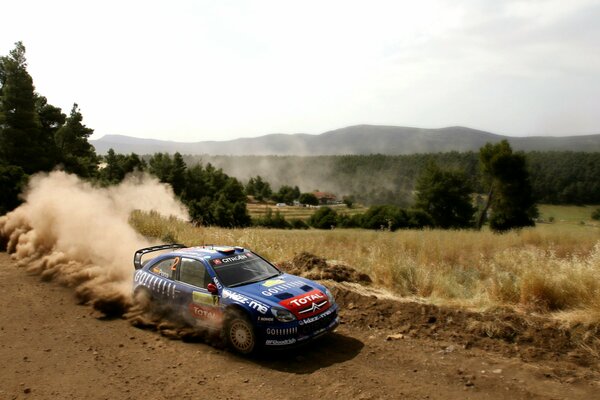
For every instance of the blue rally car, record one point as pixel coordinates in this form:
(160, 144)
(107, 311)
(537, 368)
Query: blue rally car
(236, 291)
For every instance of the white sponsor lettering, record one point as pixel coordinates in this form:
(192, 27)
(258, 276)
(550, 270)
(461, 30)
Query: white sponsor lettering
(273, 342)
(235, 258)
(307, 299)
(316, 317)
(254, 304)
(282, 287)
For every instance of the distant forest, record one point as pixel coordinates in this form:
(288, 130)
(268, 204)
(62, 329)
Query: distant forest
(556, 177)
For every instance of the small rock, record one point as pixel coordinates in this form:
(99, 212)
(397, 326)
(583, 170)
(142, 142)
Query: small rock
(246, 380)
(497, 371)
(469, 383)
(27, 390)
(395, 336)
(450, 349)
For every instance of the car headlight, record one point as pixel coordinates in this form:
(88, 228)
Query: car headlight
(329, 296)
(282, 315)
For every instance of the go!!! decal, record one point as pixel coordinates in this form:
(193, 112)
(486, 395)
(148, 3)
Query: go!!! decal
(307, 304)
(154, 283)
(280, 286)
(254, 304)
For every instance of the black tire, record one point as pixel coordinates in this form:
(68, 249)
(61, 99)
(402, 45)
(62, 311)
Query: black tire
(239, 333)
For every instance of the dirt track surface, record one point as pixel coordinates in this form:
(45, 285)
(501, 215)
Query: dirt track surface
(50, 347)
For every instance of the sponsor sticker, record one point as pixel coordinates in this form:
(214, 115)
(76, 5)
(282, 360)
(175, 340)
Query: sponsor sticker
(274, 342)
(281, 287)
(239, 298)
(205, 298)
(273, 282)
(307, 304)
(205, 313)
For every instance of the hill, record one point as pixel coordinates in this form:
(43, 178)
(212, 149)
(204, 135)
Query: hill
(359, 139)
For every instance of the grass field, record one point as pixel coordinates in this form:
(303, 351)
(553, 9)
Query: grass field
(557, 214)
(295, 212)
(549, 268)
(567, 214)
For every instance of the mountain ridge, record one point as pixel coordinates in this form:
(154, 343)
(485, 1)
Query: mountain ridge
(352, 140)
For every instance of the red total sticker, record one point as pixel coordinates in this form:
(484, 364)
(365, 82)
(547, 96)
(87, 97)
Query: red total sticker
(206, 313)
(307, 304)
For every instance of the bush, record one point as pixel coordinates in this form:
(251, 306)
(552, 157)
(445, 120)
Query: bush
(324, 218)
(12, 180)
(298, 224)
(596, 215)
(270, 220)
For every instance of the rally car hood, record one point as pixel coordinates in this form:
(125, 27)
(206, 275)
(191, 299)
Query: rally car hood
(301, 296)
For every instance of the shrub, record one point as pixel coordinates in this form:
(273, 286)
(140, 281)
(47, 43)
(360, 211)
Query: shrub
(324, 218)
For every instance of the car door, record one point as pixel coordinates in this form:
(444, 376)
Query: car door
(160, 280)
(198, 305)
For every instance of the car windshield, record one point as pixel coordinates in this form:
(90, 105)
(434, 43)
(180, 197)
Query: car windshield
(242, 269)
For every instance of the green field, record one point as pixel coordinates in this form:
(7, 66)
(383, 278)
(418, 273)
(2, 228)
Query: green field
(548, 213)
(294, 212)
(567, 214)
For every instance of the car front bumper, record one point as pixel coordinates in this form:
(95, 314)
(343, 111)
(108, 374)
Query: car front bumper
(302, 331)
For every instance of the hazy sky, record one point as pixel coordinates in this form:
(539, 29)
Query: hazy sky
(215, 70)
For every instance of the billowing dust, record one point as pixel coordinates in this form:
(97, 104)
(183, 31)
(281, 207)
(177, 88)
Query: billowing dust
(78, 235)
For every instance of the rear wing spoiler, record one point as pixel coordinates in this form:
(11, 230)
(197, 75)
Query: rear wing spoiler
(137, 257)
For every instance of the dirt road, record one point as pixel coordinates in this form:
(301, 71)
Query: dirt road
(50, 347)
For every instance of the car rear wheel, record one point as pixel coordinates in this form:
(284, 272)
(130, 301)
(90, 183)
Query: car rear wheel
(239, 333)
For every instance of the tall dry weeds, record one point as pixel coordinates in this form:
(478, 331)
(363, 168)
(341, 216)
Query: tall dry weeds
(547, 268)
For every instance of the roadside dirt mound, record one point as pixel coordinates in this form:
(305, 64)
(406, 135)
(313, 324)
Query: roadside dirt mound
(528, 337)
(311, 266)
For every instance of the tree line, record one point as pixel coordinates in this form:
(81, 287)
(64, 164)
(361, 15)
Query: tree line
(556, 177)
(404, 191)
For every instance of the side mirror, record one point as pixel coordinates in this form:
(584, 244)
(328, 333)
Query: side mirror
(212, 288)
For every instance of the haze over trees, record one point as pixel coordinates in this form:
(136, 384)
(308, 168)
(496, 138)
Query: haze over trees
(412, 191)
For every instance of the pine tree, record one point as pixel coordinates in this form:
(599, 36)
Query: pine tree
(510, 195)
(445, 196)
(23, 142)
(76, 154)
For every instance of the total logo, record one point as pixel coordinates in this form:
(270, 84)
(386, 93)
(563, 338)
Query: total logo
(308, 304)
(309, 298)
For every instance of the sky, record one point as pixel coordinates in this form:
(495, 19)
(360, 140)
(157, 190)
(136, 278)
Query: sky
(223, 69)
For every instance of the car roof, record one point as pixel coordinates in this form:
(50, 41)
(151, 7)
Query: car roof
(209, 252)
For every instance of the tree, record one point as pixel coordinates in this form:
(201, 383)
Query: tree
(12, 181)
(119, 165)
(176, 176)
(445, 196)
(510, 195)
(23, 142)
(324, 218)
(258, 188)
(76, 154)
(287, 194)
(308, 199)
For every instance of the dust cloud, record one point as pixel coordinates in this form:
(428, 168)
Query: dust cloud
(78, 235)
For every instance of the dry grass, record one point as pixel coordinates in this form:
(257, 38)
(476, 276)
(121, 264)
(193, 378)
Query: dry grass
(297, 212)
(548, 268)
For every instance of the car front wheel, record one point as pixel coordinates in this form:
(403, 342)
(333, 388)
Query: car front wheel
(239, 333)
